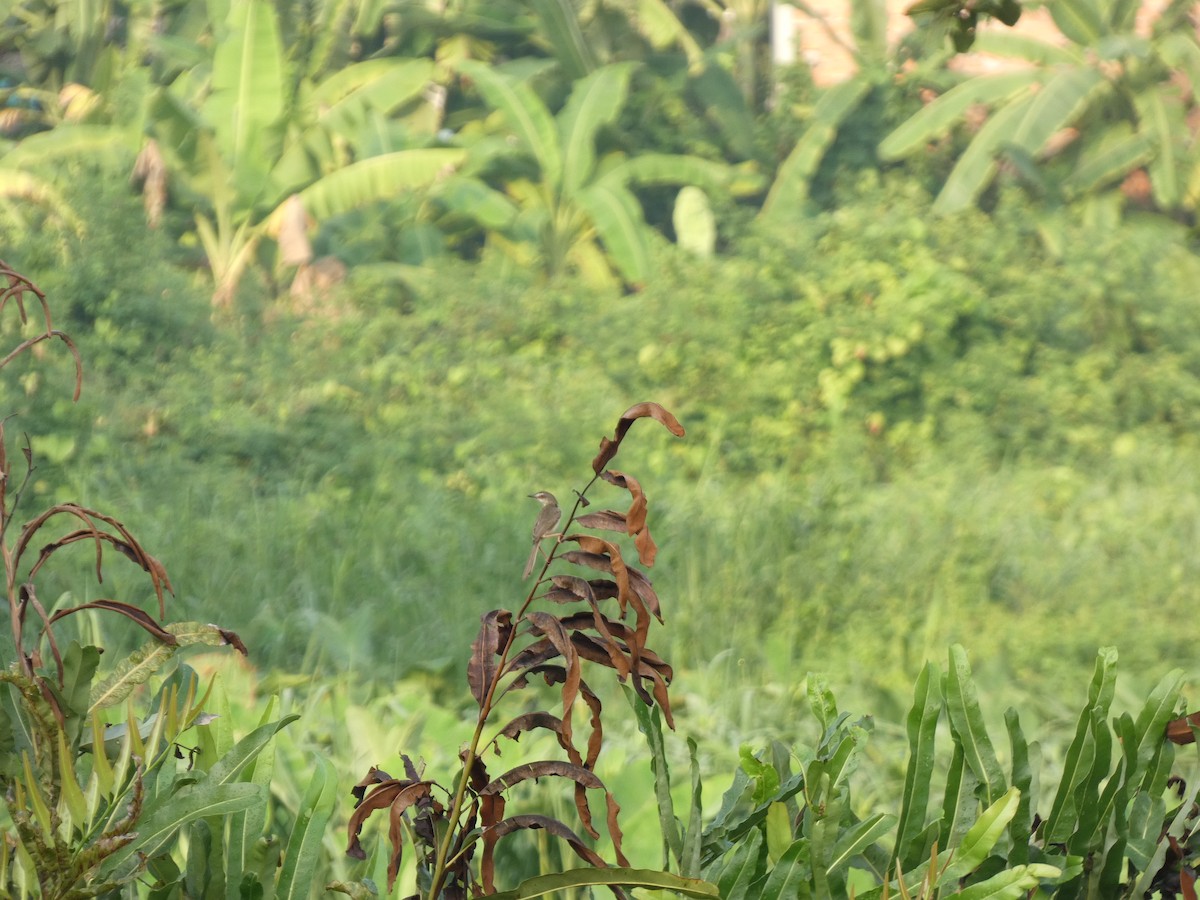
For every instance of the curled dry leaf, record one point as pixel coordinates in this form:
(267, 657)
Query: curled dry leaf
(493, 635)
(609, 447)
(550, 626)
(134, 613)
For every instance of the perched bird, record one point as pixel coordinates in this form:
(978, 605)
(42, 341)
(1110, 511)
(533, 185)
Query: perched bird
(546, 520)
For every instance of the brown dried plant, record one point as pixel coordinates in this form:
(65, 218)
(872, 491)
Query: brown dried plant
(566, 620)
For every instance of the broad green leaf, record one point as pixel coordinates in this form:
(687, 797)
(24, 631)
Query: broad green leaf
(70, 141)
(1079, 20)
(304, 849)
(980, 839)
(1152, 720)
(1027, 49)
(662, 169)
(977, 165)
(1112, 162)
(1011, 884)
(723, 102)
(247, 98)
(1056, 106)
(524, 112)
(821, 700)
(922, 730)
(595, 101)
(966, 722)
(944, 112)
(855, 840)
(471, 197)
(789, 877)
(657, 22)
(376, 178)
(1155, 121)
(237, 761)
(1060, 823)
(561, 33)
(741, 869)
(193, 802)
(617, 218)
(383, 83)
(790, 187)
(132, 671)
(554, 885)
(959, 805)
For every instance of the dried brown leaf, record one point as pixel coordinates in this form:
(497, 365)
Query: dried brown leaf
(605, 520)
(528, 722)
(392, 793)
(550, 626)
(558, 829)
(134, 613)
(493, 634)
(608, 448)
(542, 769)
(1179, 731)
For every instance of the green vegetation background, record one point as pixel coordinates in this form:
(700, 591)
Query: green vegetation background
(903, 431)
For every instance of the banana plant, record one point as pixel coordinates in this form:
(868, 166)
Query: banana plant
(868, 24)
(1108, 102)
(242, 143)
(577, 209)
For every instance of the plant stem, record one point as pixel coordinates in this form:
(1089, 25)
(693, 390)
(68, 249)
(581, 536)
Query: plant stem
(442, 861)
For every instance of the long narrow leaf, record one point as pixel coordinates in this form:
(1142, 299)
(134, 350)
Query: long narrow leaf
(914, 802)
(791, 181)
(524, 112)
(595, 102)
(304, 850)
(966, 721)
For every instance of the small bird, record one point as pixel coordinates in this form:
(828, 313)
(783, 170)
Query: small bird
(546, 520)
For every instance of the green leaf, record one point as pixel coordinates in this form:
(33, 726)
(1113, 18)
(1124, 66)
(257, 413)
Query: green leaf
(376, 178)
(959, 804)
(1109, 163)
(546, 885)
(790, 876)
(304, 850)
(740, 869)
(158, 826)
(561, 32)
(977, 165)
(855, 840)
(132, 671)
(471, 197)
(1078, 20)
(790, 187)
(922, 730)
(595, 101)
(980, 839)
(247, 98)
(1011, 884)
(944, 112)
(1028, 50)
(1056, 106)
(233, 764)
(689, 858)
(524, 112)
(1077, 765)
(71, 141)
(657, 22)
(650, 724)
(617, 218)
(1155, 122)
(716, 91)
(384, 84)
(1022, 780)
(966, 722)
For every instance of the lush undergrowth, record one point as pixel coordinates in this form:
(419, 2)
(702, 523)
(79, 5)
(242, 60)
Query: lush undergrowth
(902, 432)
